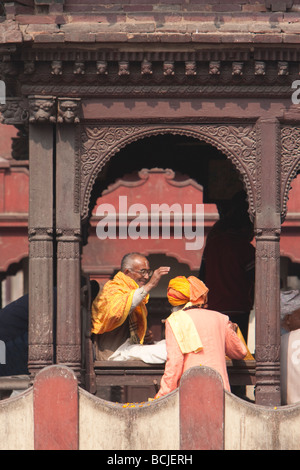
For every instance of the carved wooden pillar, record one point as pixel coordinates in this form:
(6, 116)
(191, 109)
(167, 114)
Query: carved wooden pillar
(68, 338)
(267, 288)
(40, 225)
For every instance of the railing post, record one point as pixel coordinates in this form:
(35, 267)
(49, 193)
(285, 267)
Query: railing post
(201, 410)
(55, 402)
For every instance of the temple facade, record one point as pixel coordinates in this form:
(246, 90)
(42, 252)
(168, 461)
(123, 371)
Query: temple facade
(113, 95)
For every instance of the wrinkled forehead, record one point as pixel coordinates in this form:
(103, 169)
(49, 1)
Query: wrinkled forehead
(140, 262)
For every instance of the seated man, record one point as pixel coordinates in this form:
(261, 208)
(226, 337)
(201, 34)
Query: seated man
(290, 347)
(119, 311)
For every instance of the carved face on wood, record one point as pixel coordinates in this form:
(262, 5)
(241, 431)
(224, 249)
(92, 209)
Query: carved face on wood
(68, 111)
(41, 110)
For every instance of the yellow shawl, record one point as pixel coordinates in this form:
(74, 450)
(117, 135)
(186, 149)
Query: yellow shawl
(185, 331)
(187, 335)
(112, 305)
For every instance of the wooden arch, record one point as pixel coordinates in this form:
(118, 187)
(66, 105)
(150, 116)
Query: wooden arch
(99, 143)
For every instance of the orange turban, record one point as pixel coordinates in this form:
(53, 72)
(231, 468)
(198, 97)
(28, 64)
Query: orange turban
(182, 290)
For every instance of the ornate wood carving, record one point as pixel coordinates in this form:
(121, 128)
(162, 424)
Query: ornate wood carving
(190, 68)
(99, 143)
(169, 68)
(29, 66)
(237, 68)
(283, 68)
(214, 67)
(101, 67)
(146, 67)
(14, 111)
(56, 67)
(123, 68)
(41, 109)
(259, 67)
(218, 72)
(79, 68)
(290, 161)
(68, 110)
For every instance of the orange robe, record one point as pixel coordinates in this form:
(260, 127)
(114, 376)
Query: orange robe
(218, 339)
(112, 306)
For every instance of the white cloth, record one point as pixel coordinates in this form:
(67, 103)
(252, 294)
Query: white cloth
(150, 353)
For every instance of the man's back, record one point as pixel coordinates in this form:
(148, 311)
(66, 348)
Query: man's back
(218, 340)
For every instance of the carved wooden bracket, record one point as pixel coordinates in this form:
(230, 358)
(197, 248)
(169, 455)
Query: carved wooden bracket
(68, 110)
(40, 109)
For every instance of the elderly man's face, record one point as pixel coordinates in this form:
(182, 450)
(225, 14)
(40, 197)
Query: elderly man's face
(139, 271)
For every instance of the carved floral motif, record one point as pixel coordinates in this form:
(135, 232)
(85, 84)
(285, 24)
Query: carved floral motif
(290, 161)
(100, 143)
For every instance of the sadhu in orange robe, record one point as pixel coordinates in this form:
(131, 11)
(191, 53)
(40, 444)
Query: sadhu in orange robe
(111, 313)
(196, 336)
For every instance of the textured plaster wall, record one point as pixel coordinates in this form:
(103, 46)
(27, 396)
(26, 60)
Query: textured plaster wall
(16, 422)
(112, 426)
(253, 427)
